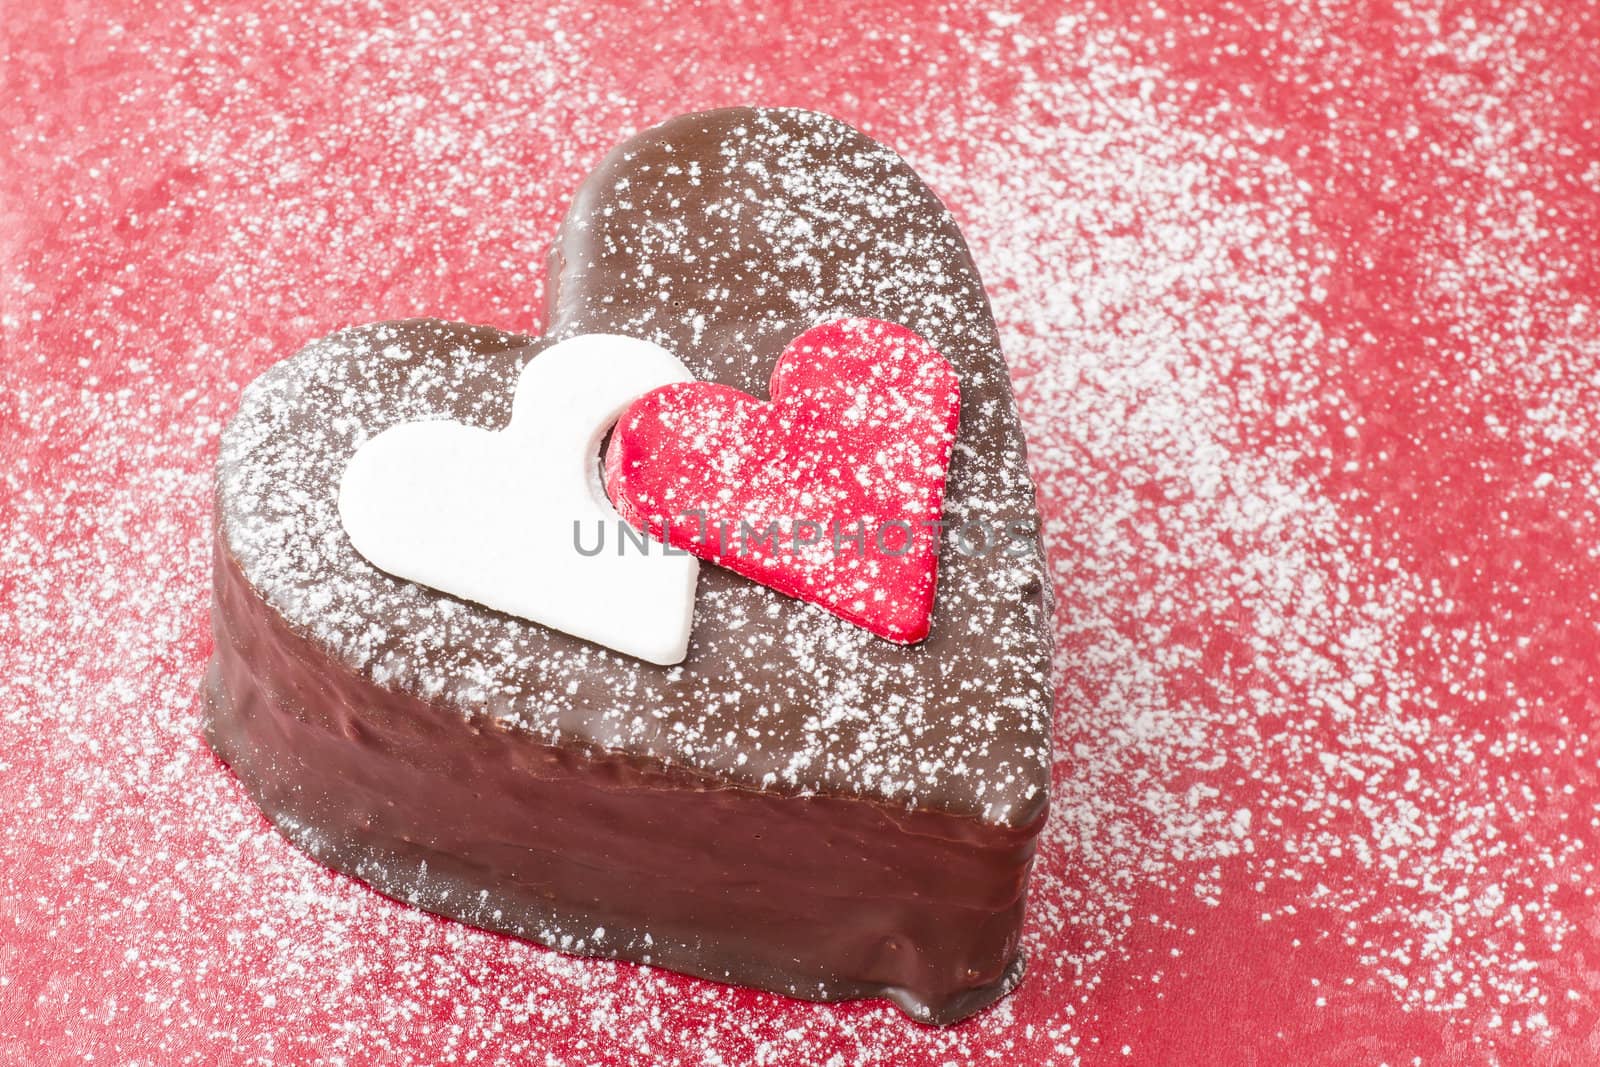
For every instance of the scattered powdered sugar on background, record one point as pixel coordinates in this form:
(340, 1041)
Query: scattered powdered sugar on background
(1233, 667)
(1301, 314)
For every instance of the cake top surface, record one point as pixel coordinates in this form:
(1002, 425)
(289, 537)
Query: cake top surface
(720, 236)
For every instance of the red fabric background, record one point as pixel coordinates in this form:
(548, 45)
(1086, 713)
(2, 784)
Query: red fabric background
(1304, 316)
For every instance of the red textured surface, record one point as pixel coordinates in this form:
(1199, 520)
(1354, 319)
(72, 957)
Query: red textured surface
(1302, 312)
(852, 442)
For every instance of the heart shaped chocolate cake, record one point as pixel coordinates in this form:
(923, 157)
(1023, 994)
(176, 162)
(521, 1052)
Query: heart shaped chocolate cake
(792, 788)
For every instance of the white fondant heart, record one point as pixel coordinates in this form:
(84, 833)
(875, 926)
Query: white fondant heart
(489, 516)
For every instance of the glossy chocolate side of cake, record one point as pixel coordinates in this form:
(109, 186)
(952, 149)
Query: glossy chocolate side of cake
(798, 806)
(817, 897)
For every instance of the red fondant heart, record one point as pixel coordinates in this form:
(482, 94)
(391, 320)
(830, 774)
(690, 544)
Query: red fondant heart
(831, 492)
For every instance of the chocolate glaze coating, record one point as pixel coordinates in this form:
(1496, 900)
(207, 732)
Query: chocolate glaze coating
(799, 805)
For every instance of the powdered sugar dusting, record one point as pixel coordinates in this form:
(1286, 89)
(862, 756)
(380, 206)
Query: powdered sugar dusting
(808, 702)
(1301, 310)
(833, 494)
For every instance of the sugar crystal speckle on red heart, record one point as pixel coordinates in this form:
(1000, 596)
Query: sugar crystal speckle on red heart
(831, 492)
